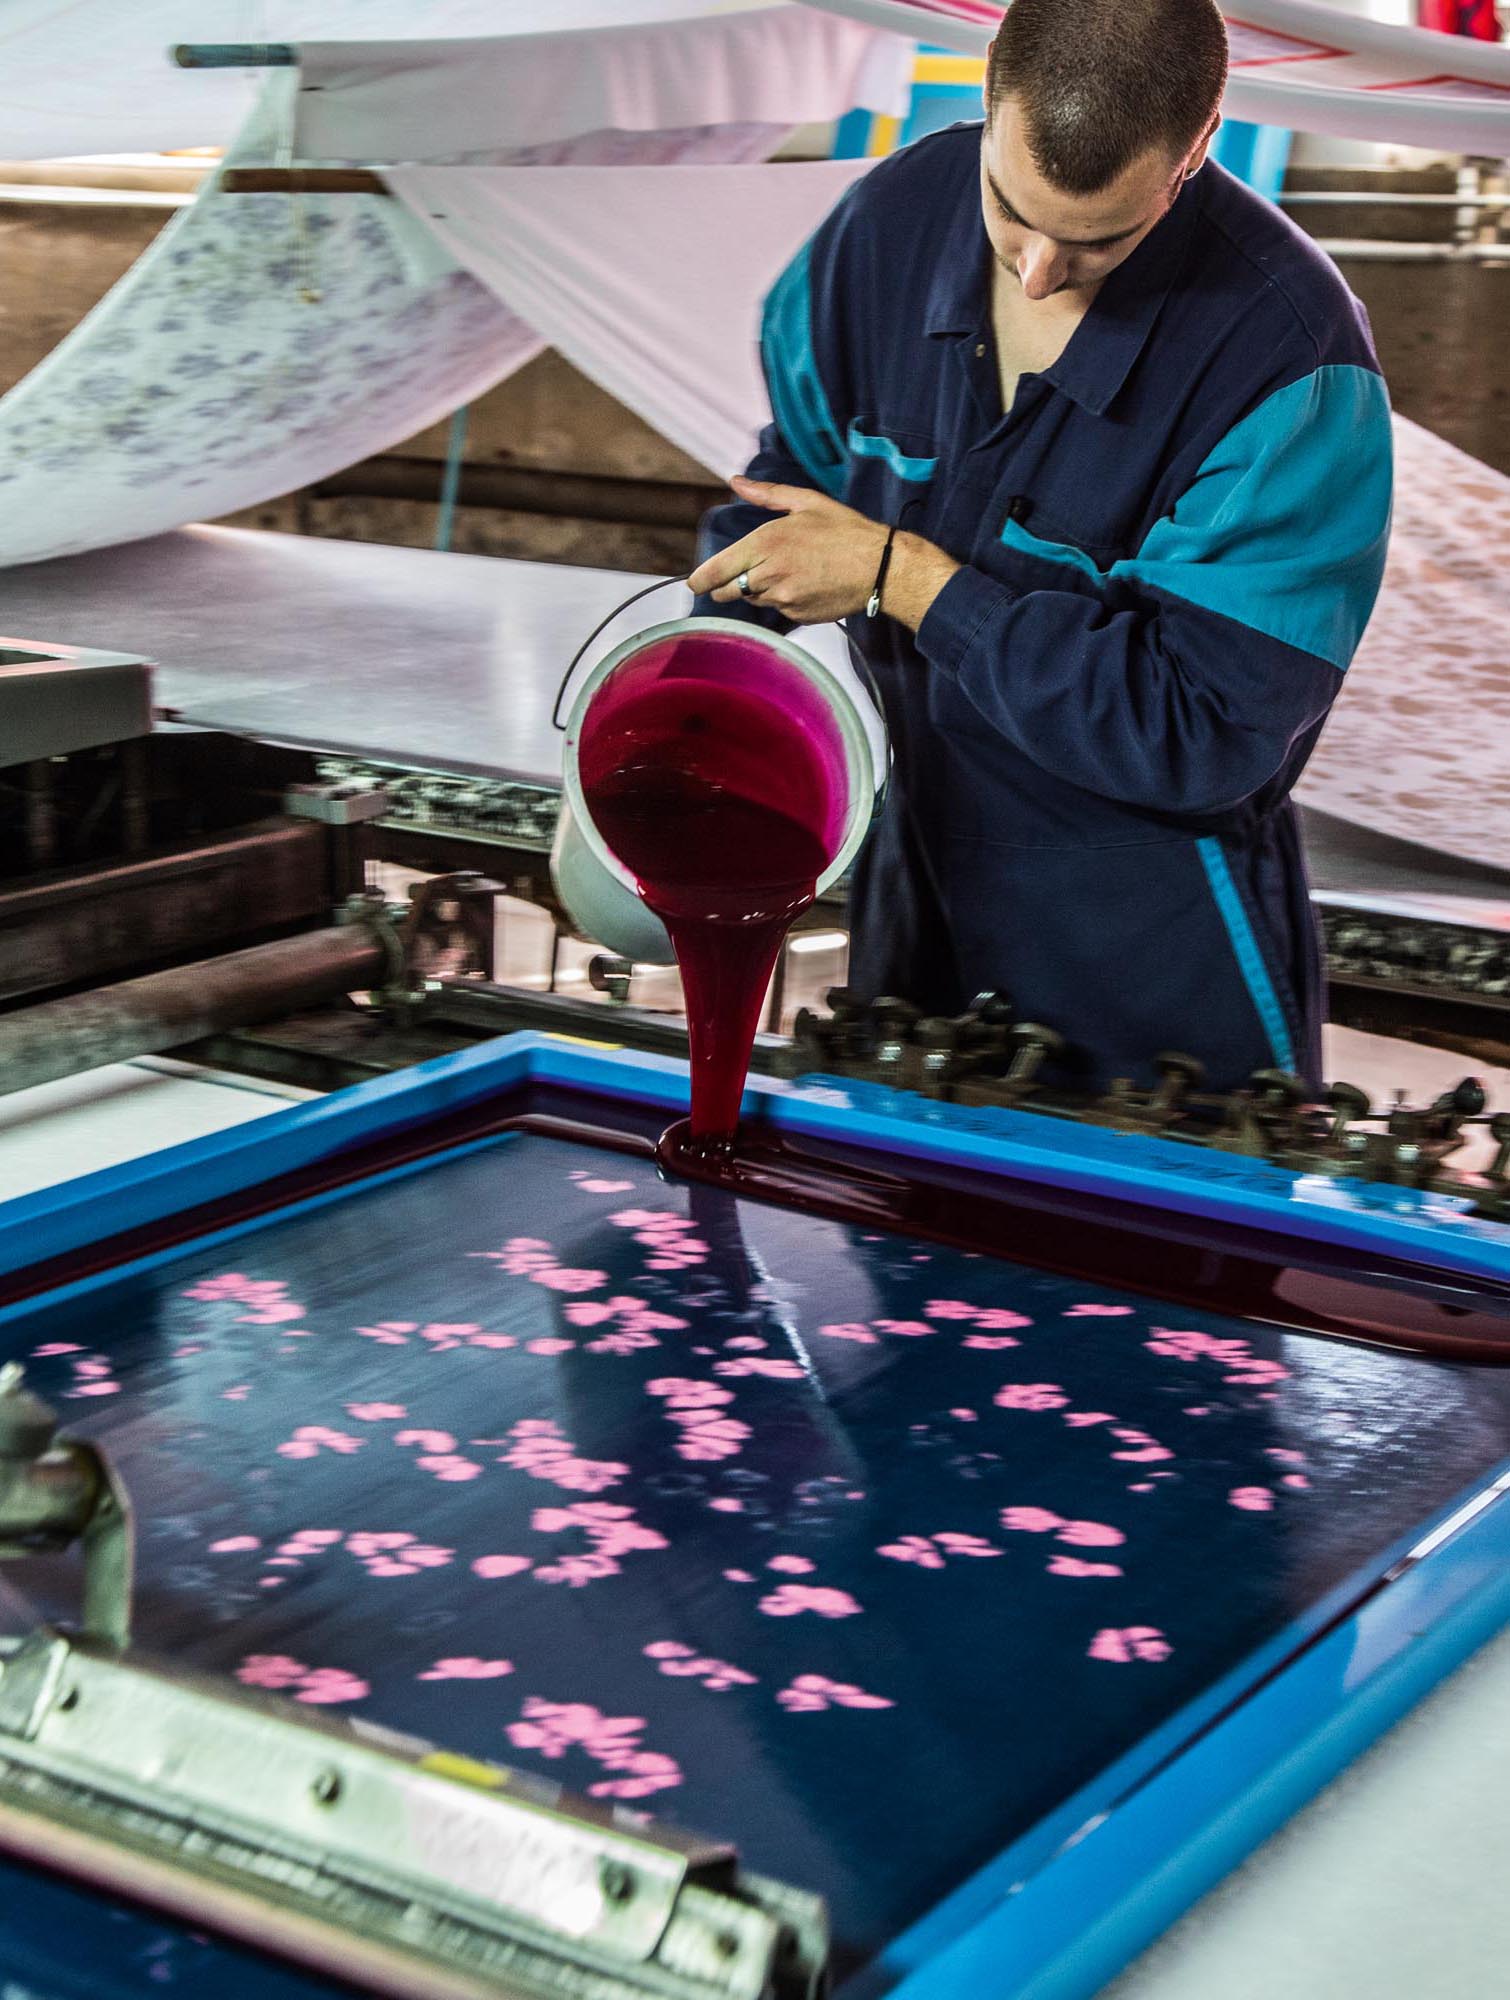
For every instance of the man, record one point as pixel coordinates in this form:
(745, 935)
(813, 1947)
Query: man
(1136, 427)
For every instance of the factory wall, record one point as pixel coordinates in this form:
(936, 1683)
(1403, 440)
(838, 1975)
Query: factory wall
(556, 470)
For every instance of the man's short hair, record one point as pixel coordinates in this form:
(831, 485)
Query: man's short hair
(1101, 82)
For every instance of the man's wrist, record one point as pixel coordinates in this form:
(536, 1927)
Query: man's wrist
(918, 572)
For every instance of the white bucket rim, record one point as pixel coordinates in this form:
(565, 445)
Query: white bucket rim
(859, 749)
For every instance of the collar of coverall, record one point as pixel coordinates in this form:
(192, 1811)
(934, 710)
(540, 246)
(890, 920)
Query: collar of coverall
(1115, 331)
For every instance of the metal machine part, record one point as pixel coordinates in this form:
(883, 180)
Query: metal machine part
(988, 1056)
(84, 1031)
(362, 1854)
(58, 699)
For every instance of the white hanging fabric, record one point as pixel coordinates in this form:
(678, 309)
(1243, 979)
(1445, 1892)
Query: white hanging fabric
(772, 65)
(648, 279)
(94, 76)
(265, 341)
(1299, 65)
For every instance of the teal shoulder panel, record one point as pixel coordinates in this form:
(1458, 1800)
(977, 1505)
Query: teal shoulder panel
(865, 444)
(799, 401)
(1285, 525)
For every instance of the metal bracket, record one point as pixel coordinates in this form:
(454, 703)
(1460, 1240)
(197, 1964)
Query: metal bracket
(56, 1491)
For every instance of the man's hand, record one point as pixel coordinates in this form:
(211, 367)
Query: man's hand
(820, 561)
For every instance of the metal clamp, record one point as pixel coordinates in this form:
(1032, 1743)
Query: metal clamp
(56, 1491)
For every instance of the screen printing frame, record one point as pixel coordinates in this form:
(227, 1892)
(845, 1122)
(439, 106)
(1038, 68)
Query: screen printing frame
(1062, 1909)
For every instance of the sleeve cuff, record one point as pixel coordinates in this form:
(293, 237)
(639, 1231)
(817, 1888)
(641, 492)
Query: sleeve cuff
(954, 621)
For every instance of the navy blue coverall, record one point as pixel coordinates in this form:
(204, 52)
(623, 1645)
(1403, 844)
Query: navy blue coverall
(1171, 545)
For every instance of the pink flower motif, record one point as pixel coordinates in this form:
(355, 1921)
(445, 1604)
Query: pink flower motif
(912, 1328)
(810, 1694)
(496, 1566)
(325, 1685)
(537, 1447)
(1090, 1535)
(792, 1565)
(322, 1685)
(577, 1570)
(638, 1218)
(52, 1347)
(1131, 1642)
(1284, 1457)
(271, 1670)
(467, 1670)
(1297, 1479)
(1030, 1396)
(791, 1599)
(774, 1368)
(550, 1343)
(96, 1389)
(686, 1394)
(1073, 1566)
(1081, 1419)
(1252, 1499)
(949, 1309)
(1030, 1520)
(562, 1280)
(967, 1545)
(451, 1467)
(683, 1663)
(722, 1437)
(992, 1342)
(1096, 1312)
(385, 1333)
(1142, 1449)
(585, 1312)
(913, 1549)
(590, 1184)
(426, 1440)
(235, 1545)
(851, 1330)
(309, 1440)
(994, 1319)
(376, 1413)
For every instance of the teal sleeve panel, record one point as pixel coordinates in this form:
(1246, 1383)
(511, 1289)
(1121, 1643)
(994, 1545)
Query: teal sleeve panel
(799, 401)
(1284, 527)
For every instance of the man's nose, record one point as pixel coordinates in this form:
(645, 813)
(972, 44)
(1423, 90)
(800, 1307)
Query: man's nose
(1042, 267)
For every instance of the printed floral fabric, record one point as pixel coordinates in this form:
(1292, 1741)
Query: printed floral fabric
(863, 1553)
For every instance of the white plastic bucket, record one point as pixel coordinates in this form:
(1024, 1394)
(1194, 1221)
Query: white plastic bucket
(598, 891)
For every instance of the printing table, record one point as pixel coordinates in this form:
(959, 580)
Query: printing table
(1004, 1599)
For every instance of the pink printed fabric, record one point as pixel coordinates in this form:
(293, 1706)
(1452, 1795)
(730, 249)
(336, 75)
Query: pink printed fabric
(722, 1510)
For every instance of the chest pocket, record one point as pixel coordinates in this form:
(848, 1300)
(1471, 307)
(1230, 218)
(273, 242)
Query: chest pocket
(888, 467)
(1053, 536)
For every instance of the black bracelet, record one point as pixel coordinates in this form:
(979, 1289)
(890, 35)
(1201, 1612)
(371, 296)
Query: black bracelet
(873, 602)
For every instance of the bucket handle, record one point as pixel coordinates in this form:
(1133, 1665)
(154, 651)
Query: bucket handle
(857, 659)
(602, 626)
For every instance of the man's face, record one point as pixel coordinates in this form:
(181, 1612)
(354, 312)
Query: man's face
(1051, 241)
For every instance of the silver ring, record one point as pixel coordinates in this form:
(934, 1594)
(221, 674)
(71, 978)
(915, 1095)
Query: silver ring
(743, 582)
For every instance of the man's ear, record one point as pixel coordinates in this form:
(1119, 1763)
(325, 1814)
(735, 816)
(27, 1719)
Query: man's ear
(1197, 159)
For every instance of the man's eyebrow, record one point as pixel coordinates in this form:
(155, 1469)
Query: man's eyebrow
(1069, 242)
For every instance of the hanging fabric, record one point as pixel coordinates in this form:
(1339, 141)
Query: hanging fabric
(648, 279)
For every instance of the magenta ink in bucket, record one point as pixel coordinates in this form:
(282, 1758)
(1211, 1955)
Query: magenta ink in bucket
(763, 722)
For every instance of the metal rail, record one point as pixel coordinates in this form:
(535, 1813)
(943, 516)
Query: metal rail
(140, 1016)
